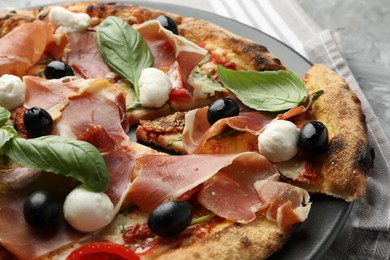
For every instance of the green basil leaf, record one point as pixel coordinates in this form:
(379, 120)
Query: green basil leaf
(6, 134)
(77, 159)
(4, 116)
(123, 49)
(271, 91)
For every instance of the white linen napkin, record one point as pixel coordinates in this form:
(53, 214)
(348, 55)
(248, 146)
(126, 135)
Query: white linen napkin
(366, 234)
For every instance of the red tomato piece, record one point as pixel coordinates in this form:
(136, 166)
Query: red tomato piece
(102, 250)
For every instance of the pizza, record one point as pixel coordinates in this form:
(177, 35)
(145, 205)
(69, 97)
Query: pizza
(230, 142)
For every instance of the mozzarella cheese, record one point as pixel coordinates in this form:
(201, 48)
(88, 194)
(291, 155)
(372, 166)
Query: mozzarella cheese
(72, 22)
(12, 91)
(154, 88)
(279, 141)
(88, 211)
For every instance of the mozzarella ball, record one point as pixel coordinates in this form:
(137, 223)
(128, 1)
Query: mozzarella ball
(12, 91)
(88, 211)
(154, 88)
(72, 22)
(279, 141)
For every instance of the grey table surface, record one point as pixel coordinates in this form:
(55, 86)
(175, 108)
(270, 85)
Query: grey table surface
(364, 33)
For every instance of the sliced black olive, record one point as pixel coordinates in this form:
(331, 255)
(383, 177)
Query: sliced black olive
(57, 70)
(37, 122)
(222, 108)
(168, 23)
(313, 138)
(170, 218)
(40, 209)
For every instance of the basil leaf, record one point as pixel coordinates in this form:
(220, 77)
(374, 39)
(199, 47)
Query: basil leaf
(123, 49)
(6, 134)
(4, 116)
(77, 159)
(271, 91)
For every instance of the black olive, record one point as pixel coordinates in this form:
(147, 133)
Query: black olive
(222, 108)
(37, 122)
(170, 218)
(57, 70)
(313, 138)
(168, 23)
(40, 209)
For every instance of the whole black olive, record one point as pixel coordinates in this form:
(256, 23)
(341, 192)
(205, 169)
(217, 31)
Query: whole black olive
(57, 70)
(313, 138)
(168, 23)
(40, 209)
(170, 218)
(37, 122)
(222, 108)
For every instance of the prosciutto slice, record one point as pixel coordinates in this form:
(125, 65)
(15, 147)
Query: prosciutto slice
(21, 48)
(84, 56)
(162, 177)
(286, 203)
(168, 48)
(231, 194)
(197, 129)
(100, 104)
(51, 95)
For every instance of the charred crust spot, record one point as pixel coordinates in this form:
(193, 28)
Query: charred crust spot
(102, 7)
(111, 3)
(90, 9)
(366, 157)
(245, 242)
(42, 16)
(336, 145)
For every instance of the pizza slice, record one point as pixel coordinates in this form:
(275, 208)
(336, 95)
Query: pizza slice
(340, 171)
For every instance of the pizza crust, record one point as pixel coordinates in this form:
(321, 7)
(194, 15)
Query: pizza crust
(256, 240)
(247, 54)
(346, 165)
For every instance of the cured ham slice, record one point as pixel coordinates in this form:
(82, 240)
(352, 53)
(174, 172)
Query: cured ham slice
(163, 177)
(168, 47)
(51, 95)
(286, 203)
(84, 56)
(197, 129)
(23, 47)
(100, 104)
(230, 193)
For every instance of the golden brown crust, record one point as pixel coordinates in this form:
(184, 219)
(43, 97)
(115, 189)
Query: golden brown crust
(247, 54)
(343, 174)
(256, 240)
(11, 20)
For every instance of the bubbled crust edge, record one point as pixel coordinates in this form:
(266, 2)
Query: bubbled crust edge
(247, 54)
(342, 175)
(257, 240)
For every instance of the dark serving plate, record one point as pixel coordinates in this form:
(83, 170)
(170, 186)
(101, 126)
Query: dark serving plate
(312, 238)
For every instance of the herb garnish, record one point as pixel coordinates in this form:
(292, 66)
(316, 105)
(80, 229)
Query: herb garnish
(123, 49)
(271, 91)
(73, 158)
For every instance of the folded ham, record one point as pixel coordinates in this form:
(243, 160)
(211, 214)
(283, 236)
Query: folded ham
(228, 185)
